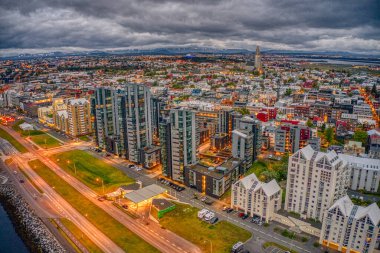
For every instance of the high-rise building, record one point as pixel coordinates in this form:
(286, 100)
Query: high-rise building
(183, 141)
(255, 127)
(139, 120)
(110, 120)
(350, 228)
(242, 145)
(79, 117)
(166, 147)
(315, 181)
(258, 59)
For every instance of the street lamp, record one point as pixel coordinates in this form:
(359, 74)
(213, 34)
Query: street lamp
(75, 167)
(210, 244)
(97, 180)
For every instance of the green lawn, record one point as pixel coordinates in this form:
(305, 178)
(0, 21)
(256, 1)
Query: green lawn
(90, 170)
(26, 132)
(116, 231)
(268, 244)
(267, 169)
(45, 141)
(183, 221)
(82, 238)
(84, 138)
(13, 141)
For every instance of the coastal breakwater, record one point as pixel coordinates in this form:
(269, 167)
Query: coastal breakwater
(27, 224)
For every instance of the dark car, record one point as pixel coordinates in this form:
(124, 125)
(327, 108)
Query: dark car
(214, 220)
(229, 210)
(22, 181)
(245, 216)
(131, 165)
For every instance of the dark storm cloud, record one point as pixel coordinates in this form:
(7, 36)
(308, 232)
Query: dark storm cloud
(293, 24)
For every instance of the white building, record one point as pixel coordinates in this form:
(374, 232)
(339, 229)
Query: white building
(255, 197)
(315, 181)
(365, 172)
(242, 144)
(350, 228)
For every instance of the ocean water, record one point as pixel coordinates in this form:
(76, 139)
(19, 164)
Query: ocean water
(10, 242)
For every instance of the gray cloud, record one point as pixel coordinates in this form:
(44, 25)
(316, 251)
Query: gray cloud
(347, 25)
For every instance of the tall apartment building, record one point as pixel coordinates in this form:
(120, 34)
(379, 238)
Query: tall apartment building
(290, 138)
(315, 181)
(110, 120)
(255, 197)
(183, 141)
(166, 147)
(139, 120)
(79, 117)
(123, 121)
(242, 145)
(255, 127)
(350, 228)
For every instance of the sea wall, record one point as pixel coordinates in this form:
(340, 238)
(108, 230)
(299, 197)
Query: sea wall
(27, 224)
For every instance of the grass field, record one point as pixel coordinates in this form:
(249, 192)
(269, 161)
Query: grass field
(82, 238)
(183, 221)
(268, 244)
(118, 233)
(45, 141)
(90, 170)
(84, 138)
(13, 141)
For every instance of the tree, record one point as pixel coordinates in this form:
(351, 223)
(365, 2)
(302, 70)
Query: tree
(329, 134)
(309, 123)
(360, 136)
(374, 90)
(243, 111)
(288, 92)
(323, 127)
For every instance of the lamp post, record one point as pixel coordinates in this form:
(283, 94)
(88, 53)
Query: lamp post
(97, 180)
(75, 167)
(210, 244)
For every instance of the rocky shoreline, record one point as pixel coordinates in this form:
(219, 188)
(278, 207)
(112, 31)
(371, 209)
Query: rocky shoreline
(28, 225)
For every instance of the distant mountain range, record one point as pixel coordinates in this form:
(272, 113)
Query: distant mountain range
(196, 50)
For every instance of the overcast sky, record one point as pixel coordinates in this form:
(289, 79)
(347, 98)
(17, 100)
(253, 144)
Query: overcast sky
(318, 25)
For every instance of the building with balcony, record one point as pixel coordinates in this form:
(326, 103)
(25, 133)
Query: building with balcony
(315, 181)
(79, 117)
(254, 197)
(350, 228)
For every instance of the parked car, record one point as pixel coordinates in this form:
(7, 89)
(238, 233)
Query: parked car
(131, 166)
(202, 213)
(241, 215)
(209, 216)
(225, 208)
(214, 220)
(245, 216)
(203, 199)
(229, 210)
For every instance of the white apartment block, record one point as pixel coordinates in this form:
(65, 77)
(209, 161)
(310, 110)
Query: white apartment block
(350, 228)
(315, 181)
(256, 198)
(365, 172)
(242, 144)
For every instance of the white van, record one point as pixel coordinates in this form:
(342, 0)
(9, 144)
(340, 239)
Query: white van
(202, 213)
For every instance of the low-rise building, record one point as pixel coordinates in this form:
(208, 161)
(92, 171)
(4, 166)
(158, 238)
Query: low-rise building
(213, 180)
(254, 197)
(350, 228)
(365, 172)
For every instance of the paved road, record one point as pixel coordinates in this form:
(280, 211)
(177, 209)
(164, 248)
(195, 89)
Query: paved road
(163, 240)
(67, 211)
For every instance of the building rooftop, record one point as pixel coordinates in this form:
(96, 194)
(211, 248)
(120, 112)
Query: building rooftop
(217, 172)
